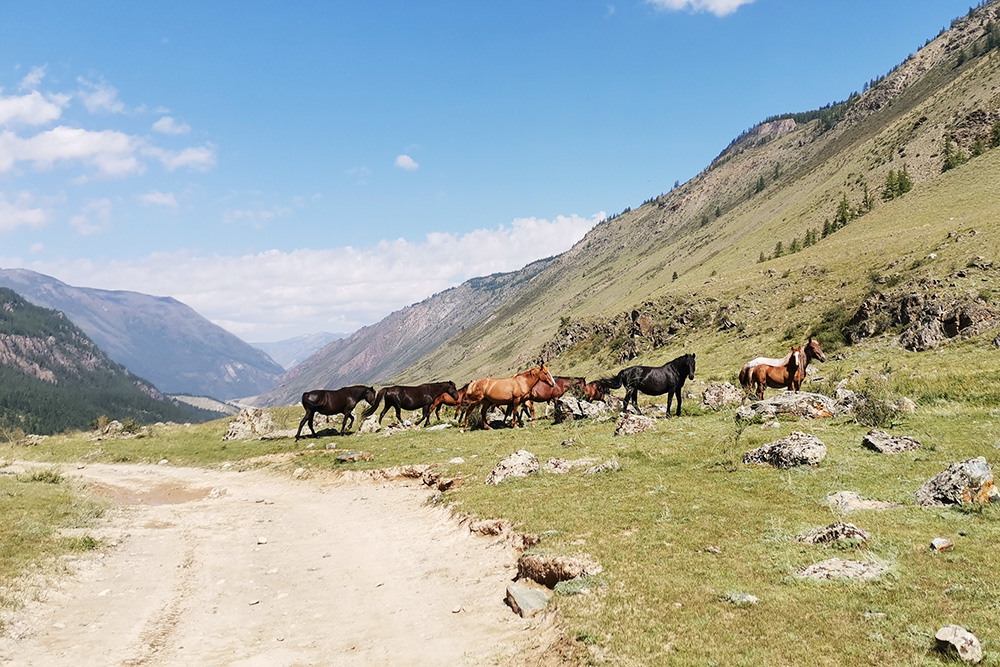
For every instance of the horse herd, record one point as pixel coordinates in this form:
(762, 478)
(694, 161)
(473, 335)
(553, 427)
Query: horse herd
(520, 392)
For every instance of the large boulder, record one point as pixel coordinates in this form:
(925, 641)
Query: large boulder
(957, 641)
(569, 408)
(800, 404)
(835, 532)
(250, 424)
(884, 443)
(519, 464)
(796, 450)
(629, 424)
(965, 482)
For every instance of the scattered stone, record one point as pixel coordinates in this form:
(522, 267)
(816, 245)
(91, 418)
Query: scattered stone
(741, 599)
(568, 442)
(838, 568)
(457, 460)
(369, 425)
(800, 404)
(519, 464)
(905, 406)
(299, 473)
(398, 427)
(250, 424)
(563, 466)
(966, 482)
(261, 540)
(770, 424)
(884, 443)
(607, 466)
(939, 544)
(957, 641)
(440, 427)
(713, 550)
(329, 446)
(849, 501)
(162, 462)
(629, 424)
(526, 601)
(872, 615)
(720, 395)
(549, 570)
(569, 408)
(795, 450)
(354, 457)
(834, 533)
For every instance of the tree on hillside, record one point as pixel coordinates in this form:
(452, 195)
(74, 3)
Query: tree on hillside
(995, 135)
(891, 188)
(903, 181)
(843, 215)
(953, 155)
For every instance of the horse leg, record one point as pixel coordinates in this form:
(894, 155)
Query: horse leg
(678, 403)
(633, 393)
(399, 415)
(306, 418)
(670, 398)
(426, 419)
(384, 410)
(486, 424)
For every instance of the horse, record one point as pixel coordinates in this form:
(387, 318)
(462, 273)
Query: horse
(513, 390)
(419, 397)
(811, 350)
(448, 399)
(653, 381)
(776, 376)
(593, 391)
(334, 402)
(543, 393)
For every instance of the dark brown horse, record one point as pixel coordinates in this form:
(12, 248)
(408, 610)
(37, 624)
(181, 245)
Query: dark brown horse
(334, 402)
(419, 397)
(543, 393)
(512, 391)
(811, 350)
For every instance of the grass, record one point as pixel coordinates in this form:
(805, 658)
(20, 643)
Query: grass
(661, 598)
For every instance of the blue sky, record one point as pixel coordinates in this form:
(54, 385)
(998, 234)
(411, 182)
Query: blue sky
(293, 167)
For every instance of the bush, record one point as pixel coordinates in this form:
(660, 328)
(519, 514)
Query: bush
(873, 409)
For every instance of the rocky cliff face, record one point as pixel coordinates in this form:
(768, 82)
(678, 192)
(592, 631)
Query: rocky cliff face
(159, 339)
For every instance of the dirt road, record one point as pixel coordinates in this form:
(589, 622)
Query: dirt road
(215, 567)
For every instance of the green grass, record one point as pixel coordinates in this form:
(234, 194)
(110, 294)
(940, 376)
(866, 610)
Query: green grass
(682, 489)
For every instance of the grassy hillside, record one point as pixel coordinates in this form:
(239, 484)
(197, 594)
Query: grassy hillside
(775, 184)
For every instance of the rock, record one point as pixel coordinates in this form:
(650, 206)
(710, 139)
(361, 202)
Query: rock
(745, 412)
(249, 424)
(882, 442)
(354, 457)
(569, 408)
(800, 404)
(838, 568)
(834, 533)
(519, 464)
(607, 466)
(457, 460)
(966, 482)
(369, 425)
(741, 599)
(299, 473)
(629, 424)
(939, 544)
(957, 641)
(526, 601)
(563, 466)
(721, 395)
(795, 450)
(440, 427)
(398, 427)
(849, 501)
(549, 570)
(905, 406)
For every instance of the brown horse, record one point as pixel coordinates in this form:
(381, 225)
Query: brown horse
(334, 402)
(777, 376)
(419, 397)
(594, 391)
(512, 391)
(448, 399)
(543, 393)
(793, 381)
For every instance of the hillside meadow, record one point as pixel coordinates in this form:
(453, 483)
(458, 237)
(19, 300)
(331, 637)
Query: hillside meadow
(680, 490)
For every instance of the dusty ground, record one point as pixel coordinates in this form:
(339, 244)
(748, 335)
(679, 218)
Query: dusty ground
(211, 567)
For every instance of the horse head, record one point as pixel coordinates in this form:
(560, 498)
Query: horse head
(814, 351)
(369, 395)
(691, 366)
(545, 376)
(451, 390)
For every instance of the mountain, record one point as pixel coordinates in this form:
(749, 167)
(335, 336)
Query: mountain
(53, 378)
(293, 351)
(786, 233)
(380, 351)
(157, 338)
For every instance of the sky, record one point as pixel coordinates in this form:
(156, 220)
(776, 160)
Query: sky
(286, 168)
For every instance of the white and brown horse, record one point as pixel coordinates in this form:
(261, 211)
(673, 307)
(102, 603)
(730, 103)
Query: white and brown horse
(787, 373)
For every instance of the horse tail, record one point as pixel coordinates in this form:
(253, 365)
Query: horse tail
(745, 377)
(611, 383)
(370, 410)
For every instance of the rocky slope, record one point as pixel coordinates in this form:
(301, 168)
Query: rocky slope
(157, 338)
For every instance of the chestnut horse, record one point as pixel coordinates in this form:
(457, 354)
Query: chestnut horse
(448, 399)
(334, 402)
(419, 397)
(512, 391)
(811, 350)
(777, 376)
(594, 391)
(543, 393)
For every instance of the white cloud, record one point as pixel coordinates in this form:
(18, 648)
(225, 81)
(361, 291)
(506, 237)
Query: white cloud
(199, 158)
(31, 109)
(157, 198)
(33, 78)
(111, 152)
(717, 7)
(256, 217)
(94, 218)
(100, 97)
(406, 163)
(275, 295)
(21, 212)
(168, 125)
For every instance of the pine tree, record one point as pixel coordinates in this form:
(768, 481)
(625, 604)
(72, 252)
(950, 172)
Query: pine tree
(762, 258)
(867, 201)
(794, 246)
(903, 181)
(995, 135)
(778, 249)
(827, 228)
(953, 155)
(675, 276)
(891, 188)
(978, 148)
(843, 213)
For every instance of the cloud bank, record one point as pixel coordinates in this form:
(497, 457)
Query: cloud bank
(717, 7)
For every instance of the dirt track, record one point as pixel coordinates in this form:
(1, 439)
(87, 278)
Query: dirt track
(216, 567)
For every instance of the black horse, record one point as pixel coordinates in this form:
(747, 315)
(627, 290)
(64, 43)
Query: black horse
(419, 397)
(654, 381)
(334, 402)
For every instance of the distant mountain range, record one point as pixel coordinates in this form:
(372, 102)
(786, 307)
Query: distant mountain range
(53, 377)
(293, 351)
(157, 338)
